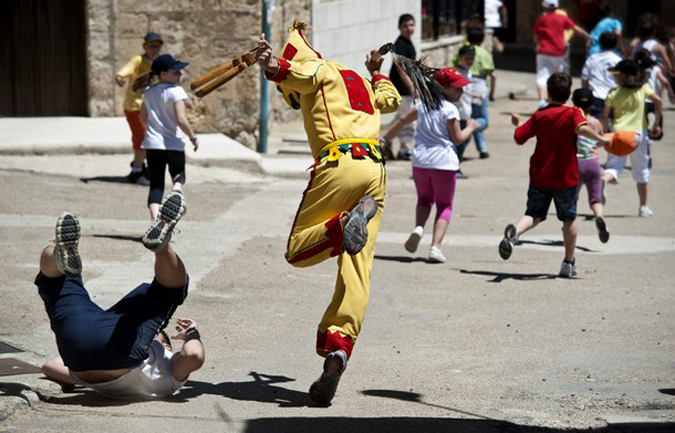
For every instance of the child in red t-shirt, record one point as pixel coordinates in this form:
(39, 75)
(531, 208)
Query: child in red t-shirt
(554, 173)
(549, 31)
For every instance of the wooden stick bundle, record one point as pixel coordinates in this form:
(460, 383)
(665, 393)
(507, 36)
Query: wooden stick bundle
(221, 74)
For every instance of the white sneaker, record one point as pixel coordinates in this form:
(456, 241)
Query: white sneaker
(542, 103)
(568, 269)
(436, 255)
(414, 239)
(645, 212)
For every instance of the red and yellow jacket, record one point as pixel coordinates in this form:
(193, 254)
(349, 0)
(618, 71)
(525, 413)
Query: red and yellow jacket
(338, 105)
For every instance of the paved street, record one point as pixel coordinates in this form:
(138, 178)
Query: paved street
(476, 344)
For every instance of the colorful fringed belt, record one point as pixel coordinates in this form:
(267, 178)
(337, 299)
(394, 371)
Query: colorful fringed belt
(359, 147)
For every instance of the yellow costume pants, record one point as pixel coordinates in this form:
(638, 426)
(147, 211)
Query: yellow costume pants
(334, 189)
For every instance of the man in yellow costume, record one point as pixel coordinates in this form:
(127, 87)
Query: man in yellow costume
(341, 209)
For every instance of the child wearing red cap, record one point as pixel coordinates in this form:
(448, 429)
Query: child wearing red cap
(434, 160)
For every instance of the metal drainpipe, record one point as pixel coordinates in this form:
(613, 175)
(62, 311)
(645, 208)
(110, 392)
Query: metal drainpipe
(267, 8)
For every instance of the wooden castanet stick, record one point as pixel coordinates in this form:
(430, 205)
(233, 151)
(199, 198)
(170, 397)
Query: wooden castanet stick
(239, 64)
(227, 76)
(213, 73)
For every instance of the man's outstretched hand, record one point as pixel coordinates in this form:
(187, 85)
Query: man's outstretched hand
(515, 119)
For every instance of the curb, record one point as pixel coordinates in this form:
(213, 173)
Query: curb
(216, 150)
(15, 397)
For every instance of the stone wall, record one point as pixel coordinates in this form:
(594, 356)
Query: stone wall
(440, 53)
(285, 12)
(202, 32)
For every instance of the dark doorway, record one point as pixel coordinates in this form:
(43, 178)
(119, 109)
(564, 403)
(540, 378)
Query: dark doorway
(509, 33)
(43, 58)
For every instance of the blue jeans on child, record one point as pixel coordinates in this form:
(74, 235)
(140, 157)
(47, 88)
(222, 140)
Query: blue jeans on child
(479, 113)
(90, 338)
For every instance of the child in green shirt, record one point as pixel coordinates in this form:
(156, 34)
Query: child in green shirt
(627, 102)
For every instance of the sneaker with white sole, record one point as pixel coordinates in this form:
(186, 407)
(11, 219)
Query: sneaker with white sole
(323, 389)
(355, 232)
(414, 239)
(170, 212)
(436, 255)
(66, 256)
(506, 245)
(603, 234)
(645, 212)
(568, 269)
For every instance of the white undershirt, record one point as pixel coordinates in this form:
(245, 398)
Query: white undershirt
(153, 378)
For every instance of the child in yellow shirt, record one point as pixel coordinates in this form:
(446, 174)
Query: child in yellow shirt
(138, 65)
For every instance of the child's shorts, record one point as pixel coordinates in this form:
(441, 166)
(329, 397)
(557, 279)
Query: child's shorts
(539, 200)
(547, 65)
(639, 160)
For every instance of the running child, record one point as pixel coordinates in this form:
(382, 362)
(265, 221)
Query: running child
(138, 65)
(549, 31)
(470, 102)
(435, 161)
(590, 172)
(482, 70)
(163, 111)
(554, 171)
(627, 102)
(596, 77)
(651, 73)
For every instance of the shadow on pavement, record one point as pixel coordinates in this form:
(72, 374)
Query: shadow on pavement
(85, 397)
(402, 259)
(262, 389)
(111, 179)
(669, 391)
(591, 217)
(14, 389)
(416, 398)
(120, 237)
(427, 425)
(552, 243)
(501, 276)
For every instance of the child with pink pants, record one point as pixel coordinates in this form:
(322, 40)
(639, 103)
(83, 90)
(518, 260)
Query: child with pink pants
(434, 160)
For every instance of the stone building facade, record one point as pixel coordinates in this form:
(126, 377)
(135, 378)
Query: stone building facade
(209, 32)
(202, 32)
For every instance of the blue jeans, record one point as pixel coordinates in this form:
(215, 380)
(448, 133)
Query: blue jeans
(479, 113)
(90, 338)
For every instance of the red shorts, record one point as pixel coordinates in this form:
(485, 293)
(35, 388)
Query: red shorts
(137, 128)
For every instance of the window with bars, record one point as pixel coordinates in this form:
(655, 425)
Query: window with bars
(448, 17)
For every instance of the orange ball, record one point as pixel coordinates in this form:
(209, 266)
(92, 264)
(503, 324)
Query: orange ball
(622, 142)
